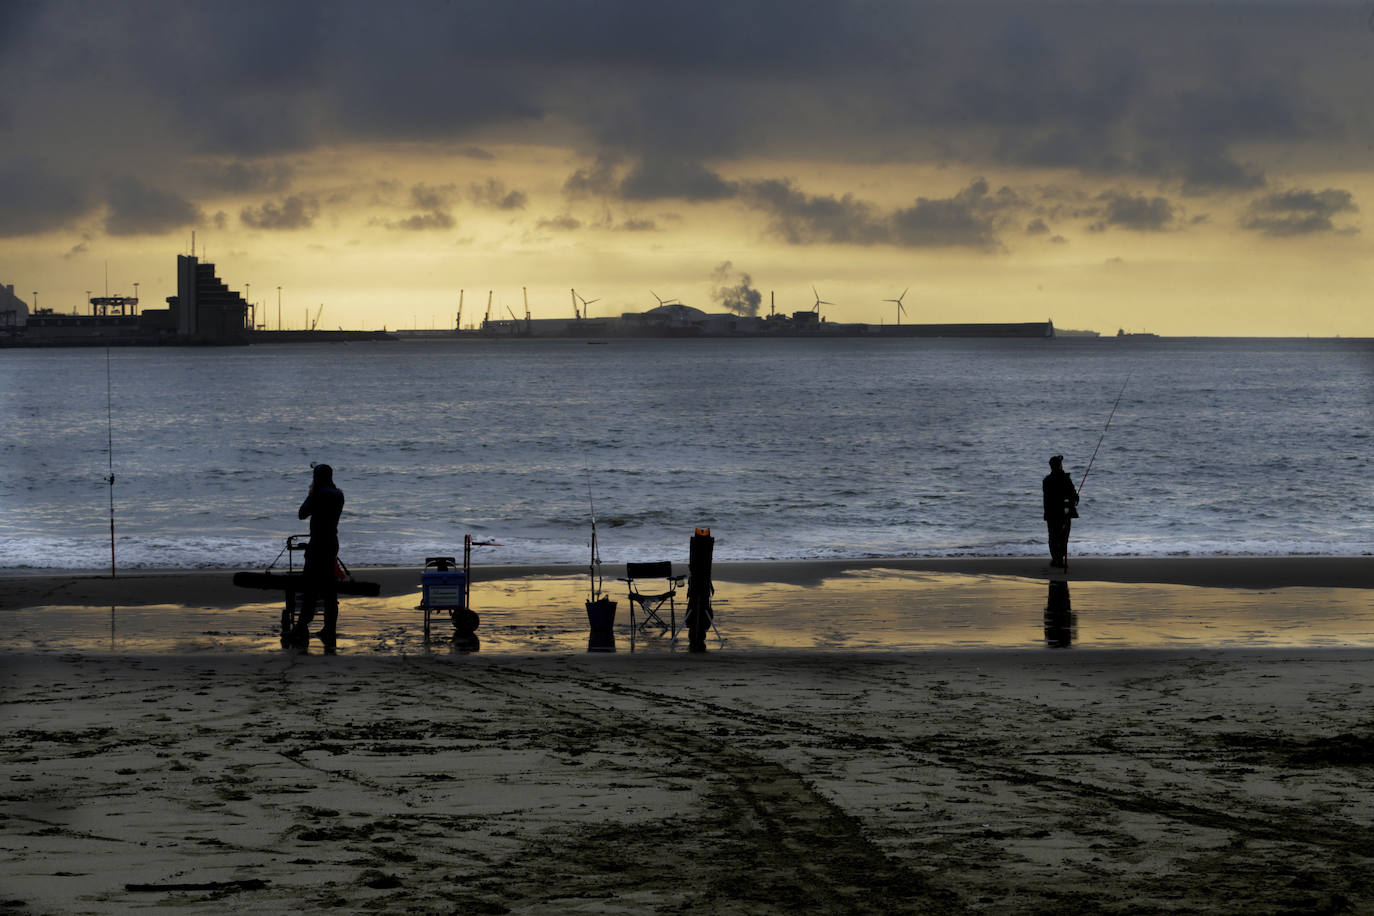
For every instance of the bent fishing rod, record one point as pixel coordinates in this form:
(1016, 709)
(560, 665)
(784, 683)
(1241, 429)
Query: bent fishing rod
(1084, 480)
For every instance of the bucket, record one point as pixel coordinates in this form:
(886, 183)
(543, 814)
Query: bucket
(601, 613)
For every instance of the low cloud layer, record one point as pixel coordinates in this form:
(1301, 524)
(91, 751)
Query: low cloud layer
(295, 212)
(1134, 211)
(435, 204)
(971, 218)
(1300, 212)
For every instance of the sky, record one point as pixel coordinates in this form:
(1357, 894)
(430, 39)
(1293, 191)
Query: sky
(1186, 168)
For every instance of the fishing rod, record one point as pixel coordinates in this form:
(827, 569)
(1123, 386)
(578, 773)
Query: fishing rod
(1084, 479)
(594, 582)
(109, 429)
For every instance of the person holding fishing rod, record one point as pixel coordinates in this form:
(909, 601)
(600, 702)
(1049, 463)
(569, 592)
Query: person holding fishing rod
(1061, 497)
(1061, 508)
(323, 505)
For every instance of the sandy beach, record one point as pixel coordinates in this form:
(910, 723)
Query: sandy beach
(1102, 778)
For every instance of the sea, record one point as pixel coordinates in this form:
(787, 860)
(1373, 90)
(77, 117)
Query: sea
(785, 449)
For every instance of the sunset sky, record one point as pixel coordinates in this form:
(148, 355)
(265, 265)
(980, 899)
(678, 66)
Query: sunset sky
(1186, 168)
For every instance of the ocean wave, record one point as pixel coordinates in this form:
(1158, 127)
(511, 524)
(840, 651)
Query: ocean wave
(28, 555)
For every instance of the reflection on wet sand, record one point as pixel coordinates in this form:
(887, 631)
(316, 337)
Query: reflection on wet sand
(878, 610)
(601, 640)
(1061, 624)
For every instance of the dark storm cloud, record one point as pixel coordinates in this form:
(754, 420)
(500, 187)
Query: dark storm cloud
(33, 200)
(671, 94)
(1208, 169)
(653, 176)
(16, 19)
(240, 177)
(661, 176)
(1079, 86)
(137, 209)
(1300, 212)
(803, 219)
(601, 179)
(1050, 108)
(296, 212)
(969, 218)
(1134, 211)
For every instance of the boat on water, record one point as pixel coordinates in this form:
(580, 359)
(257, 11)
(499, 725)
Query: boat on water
(1122, 333)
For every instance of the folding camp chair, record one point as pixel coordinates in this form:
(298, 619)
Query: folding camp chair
(651, 603)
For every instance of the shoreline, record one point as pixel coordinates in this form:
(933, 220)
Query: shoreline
(213, 588)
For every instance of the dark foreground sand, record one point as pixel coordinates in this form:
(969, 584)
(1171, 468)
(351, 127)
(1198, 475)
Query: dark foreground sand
(1007, 782)
(1012, 781)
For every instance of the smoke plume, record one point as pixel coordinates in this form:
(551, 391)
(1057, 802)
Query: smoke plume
(734, 290)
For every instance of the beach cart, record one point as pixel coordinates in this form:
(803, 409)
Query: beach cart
(444, 588)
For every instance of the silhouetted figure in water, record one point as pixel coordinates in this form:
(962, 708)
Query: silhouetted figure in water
(323, 506)
(1061, 508)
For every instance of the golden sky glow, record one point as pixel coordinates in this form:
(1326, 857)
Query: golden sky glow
(1184, 168)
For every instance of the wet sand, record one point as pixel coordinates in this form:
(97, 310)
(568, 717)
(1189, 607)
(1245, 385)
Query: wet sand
(212, 588)
(825, 775)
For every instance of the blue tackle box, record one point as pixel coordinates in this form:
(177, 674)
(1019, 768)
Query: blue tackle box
(443, 588)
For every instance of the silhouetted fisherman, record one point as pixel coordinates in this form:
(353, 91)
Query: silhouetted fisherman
(1061, 508)
(323, 505)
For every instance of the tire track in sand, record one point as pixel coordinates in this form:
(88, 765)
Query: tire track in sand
(775, 841)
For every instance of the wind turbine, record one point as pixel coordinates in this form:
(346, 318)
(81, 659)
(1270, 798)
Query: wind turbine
(585, 303)
(898, 300)
(819, 302)
(661, 300)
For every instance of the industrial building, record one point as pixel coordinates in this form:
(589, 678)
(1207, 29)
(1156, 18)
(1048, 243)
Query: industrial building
(677, 320)
(203, 311)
